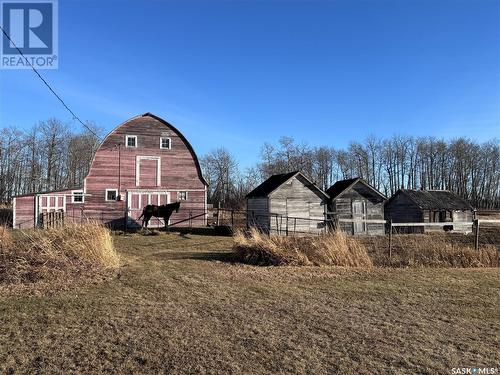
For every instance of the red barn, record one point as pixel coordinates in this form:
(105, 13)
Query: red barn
(145, 160)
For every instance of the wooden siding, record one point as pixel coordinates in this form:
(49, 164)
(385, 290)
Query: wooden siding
(401, 209)
(24, 212)
(296, 199)
(258, 213)
(347, 205)
(116, 166)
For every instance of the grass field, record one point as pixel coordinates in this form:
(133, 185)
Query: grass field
(178, 305)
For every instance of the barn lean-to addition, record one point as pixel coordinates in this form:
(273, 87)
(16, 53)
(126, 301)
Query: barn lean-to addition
(145, 160)
(430, 206)
(287, 203)
(355, 199)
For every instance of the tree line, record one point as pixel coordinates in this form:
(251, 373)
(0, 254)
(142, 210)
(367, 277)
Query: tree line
(51, 155)
(468, 168)
(48, 156)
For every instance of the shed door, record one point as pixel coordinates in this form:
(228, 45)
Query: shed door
(298, 212)
(359, 213)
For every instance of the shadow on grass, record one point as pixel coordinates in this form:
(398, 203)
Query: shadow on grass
(218, 256)
(221, 231)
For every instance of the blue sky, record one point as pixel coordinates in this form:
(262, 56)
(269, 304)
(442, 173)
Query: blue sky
(240, 73)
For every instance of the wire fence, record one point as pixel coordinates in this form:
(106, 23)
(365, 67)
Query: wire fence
(480, 232)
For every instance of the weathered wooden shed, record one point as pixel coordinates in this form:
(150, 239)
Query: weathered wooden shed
(430, 206)
(145, 160)
(287, 203)
(355, 199)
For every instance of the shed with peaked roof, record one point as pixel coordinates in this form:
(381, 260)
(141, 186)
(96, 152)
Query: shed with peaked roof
(355, 199)
(287, 203)
(430, 206)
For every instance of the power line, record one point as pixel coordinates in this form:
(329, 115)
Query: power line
(75, 117)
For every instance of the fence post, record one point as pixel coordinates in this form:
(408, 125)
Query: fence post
(286, 225)
(390, 240)
(476, 234)
(232, 218)
(218, 215)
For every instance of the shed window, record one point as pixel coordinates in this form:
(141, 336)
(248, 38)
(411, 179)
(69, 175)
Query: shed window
(77, 196)
(111, 194)
(182, 195)
(131, 140)
(165, 143)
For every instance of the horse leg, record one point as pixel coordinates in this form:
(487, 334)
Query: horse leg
(146, 220)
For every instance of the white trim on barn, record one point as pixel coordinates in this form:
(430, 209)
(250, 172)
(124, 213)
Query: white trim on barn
(132, 212)
(138, 168)
(73, 196)
(36, 203)
(106, 195)
(127, 138)
(14, 212)
(179, 193)
(169, 143)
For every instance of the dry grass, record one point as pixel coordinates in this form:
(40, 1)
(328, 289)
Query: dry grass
(181, 307)
(429, 250)
(5, 239)
(57, 253)
(334, 249)
(338, 249)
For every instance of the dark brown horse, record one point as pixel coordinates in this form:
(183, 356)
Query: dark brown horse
(163, 212)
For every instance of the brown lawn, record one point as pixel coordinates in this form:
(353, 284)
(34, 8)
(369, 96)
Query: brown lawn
(180, 306)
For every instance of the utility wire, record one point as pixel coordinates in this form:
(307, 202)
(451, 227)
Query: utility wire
(75, 117)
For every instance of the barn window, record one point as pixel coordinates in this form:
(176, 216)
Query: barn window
(182, 195)
(131, 140)
(111, 194)
(165, 143)
(77, 196)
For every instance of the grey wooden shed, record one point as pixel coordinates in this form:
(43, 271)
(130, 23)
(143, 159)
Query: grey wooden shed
(430, 206)
(355, 199)
(287, 203)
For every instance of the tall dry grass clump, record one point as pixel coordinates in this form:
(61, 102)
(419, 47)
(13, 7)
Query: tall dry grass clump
(57, 253)
(334, 249)
(430, 250)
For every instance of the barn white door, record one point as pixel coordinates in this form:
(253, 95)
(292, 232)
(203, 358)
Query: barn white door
(138, 199)
(148, 171)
